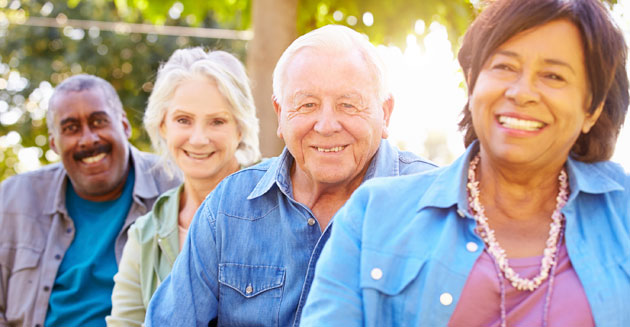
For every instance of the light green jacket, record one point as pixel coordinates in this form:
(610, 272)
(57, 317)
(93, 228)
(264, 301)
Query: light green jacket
(147, 259)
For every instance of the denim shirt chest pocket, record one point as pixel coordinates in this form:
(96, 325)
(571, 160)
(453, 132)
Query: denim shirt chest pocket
(388, 283)
(250, 294)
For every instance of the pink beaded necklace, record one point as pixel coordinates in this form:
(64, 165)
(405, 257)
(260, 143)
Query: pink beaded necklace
(549, 260)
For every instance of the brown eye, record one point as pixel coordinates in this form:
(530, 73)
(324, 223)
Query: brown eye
(218, 122)
(183, 121)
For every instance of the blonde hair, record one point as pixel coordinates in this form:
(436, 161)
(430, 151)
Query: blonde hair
(231, 79)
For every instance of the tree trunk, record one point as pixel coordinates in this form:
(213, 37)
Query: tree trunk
(275, 27)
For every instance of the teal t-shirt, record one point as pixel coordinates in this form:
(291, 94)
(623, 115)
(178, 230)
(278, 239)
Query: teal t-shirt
(81, 295)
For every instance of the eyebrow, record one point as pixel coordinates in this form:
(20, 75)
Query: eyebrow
(549, 61)
(300, 95)
(98, 114)
(221, 114)
(68, 121)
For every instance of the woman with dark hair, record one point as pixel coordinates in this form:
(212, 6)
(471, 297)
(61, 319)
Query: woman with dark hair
(531, 226)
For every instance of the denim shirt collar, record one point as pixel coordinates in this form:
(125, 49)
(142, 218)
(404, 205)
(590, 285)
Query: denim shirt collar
(449, 187)
(384, 163)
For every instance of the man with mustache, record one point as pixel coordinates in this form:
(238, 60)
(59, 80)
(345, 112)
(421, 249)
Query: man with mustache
(63, 227)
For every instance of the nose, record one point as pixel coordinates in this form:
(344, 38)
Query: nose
(523, 91)
(328, 121)
(198, 136)
(88, 138)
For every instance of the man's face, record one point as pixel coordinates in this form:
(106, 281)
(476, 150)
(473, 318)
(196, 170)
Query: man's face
(91, 139)
(330, 117)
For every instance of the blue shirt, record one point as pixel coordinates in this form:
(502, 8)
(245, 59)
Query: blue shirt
(250, 253)
(399, 252)
(88, 267)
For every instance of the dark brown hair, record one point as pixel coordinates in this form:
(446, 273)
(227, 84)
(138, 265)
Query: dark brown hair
(605, 54)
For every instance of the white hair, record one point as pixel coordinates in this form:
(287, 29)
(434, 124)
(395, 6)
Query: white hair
(340, 38)
(232, 82)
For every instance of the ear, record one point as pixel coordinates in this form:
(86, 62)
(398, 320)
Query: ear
(591, 119)
(126, 125)
(388, 107)
(278, 110)
(51, 142)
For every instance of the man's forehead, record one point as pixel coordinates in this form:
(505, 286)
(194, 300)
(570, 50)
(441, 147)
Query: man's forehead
(350, 94)
(78, 103)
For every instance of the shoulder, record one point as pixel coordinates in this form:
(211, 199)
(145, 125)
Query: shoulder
(149, 223)
(400, 186)
(152, 168)
(32, 187)
(382, 196)
(411, 163)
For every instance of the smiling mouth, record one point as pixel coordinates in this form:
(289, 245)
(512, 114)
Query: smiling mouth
(520, 124)
(333, 149)
(93, 159)
(198, 155)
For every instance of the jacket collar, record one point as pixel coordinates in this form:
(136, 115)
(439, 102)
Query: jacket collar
(167, 206)
(144, 187)
(449, 187)
(384, 163)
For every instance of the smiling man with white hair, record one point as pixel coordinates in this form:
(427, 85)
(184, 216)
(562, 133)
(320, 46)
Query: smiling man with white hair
(254, 242)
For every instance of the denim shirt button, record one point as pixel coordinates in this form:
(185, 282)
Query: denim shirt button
(311, 221)
(461, 213)
(249, 289)
(376, 273)
(446, 299)
(472, 247)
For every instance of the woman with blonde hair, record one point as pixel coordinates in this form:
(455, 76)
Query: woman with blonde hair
(202, 120)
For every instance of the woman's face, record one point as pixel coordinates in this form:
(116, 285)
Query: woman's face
(200, 131)
(529, 103)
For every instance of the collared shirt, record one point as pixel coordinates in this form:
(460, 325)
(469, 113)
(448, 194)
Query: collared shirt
(147, 259)
(36, 231)
(251, 249)
(402, 248)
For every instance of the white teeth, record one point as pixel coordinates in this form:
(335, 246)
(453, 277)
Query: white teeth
(93, 159)
(335, 149)
(520, 124)
(198, 156)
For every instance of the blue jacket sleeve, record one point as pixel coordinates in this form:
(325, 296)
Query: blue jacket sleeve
(335, 298)
(189, 295)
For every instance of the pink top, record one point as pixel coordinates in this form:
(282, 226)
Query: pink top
(480, 302)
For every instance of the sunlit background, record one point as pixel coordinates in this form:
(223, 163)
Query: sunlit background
(430, 93)
(427, 82)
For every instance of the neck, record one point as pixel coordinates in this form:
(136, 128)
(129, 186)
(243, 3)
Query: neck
(324, 199)
(518, 193)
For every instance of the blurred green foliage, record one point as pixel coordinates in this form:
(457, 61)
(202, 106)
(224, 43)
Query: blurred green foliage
(34, 58)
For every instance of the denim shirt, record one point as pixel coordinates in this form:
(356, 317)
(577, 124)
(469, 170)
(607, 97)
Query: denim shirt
(401, 249)
(250, 252)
